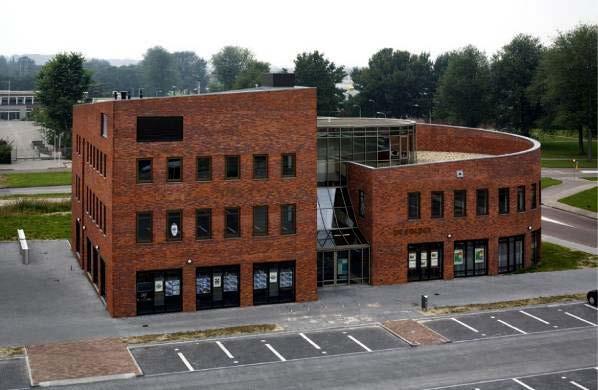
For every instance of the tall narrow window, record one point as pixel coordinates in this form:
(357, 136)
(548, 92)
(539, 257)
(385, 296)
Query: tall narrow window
(144, 170)
(260, 220)
(361, 204)
(203, 223)
(104, 125)
(232, 222)
(175, 169)
(534, 196)
(413, 205)
(482, 202)
(460, 204)
(204, 168)
(144, 227)
(521, 199)
(437, 209)
(260, 166)
(288, 165)
(503, 200)
(174, 225)
(232, 169)
(287, 216)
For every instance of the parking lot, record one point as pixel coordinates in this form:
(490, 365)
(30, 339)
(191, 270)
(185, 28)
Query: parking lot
(243, 351)
(514, 322)
(13, 374)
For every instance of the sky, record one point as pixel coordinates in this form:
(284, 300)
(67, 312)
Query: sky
(348, 31)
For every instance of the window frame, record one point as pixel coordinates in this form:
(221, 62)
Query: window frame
(180, 226)
(418, 198)
(151, 226)
(533, 196)
(282, 164)
(464, 193)
(103, 125)
(255, 177)
(208, 212)
(209, 159)
(282, 219)
(168, 179)
(226, 158)
(229, 235)
(362, 204)
(477, 201)
(151, 179)
(441, 215)
(266, 227)
(507, 191)
(521, 199)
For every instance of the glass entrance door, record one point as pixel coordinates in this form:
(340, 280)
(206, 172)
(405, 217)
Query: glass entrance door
(344, 267)
(424, 261)
(217, 287)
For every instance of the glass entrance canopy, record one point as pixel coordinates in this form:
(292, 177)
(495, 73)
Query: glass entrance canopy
(336, 221)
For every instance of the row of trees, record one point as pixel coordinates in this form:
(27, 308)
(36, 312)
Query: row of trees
(20, 71)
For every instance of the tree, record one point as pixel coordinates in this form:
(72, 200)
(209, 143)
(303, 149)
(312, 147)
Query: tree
(251, 75)
(512, 71)
(566, 81)
(463, 91)
(229, 63)
(190, 70)
(61, 83)
(314, 70)
(158, 71)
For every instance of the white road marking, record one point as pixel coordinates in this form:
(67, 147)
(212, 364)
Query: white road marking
(465, 325)
(581, 319)
(555, 221)
(185, 361)
(316, 346)
(511, 326)
(522, 384)
(591, 307)
(275, 352)
(534, 317)
(359, 343)
(226, 351)
(589, 171)
(578, 385)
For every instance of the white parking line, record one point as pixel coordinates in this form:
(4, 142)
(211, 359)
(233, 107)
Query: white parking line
(555, 221)
(275, 352)
(511, 326)
(316, 346)
(534, 317)
(226, 351)
(185, 361)
(359, 343)
(591, 307)
(581, 319)
(465, 325)
(578, 385)
(522, 384)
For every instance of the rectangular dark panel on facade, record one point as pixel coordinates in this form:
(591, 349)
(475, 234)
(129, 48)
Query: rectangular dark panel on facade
(159, 128)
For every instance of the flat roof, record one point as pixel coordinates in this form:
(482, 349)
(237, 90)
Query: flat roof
(324, 122)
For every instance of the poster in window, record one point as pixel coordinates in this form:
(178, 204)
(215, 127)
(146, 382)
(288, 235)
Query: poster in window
(273, 276)
(172, 287)
(231, 282)
(260, 280)
(158, 284)
(479, 255)
(423, 259)
(286, 278)
(434, 258)
(203, 284)
(458, 257)
(412, 260)
(217, 280)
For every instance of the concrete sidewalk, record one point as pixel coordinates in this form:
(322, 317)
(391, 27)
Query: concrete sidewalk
(572, 183)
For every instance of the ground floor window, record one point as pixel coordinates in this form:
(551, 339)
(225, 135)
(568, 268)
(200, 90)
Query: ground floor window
(94, 266)
(424, 261)
(536, 238)
(78, 237)
(342, 267)
(217, 287)
(88, 256)
(510, 254)
(273, 282)
(102, 277)
(159, 291)
(470, 258)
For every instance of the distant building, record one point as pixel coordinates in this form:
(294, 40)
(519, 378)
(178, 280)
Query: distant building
(16, 104)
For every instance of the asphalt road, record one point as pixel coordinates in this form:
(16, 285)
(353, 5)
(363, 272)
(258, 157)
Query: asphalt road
(35, 190)
(570, 227)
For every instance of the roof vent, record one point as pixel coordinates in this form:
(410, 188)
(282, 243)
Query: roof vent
(278, 80)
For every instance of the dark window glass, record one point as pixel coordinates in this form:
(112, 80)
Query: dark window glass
(104, 125)
(144, 227)
(260, 220)
(503, 200)
(287, 219)
(460, 205)
(174, 225)
(232, 168)
(534, 196)
(232, 222)
(159, 128)
(361, 204)
(437, 204)
(175, 166)
(203, 222)
(413, 205)
(204, 168)
(288, 165)
(482, 202)
(521, 198)
(260, 166)
(144, 171)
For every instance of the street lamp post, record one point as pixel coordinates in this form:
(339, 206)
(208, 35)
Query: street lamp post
(381, 113)
(358, 106)
(373, 106)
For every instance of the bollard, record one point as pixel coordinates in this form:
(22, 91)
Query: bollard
(424, 302)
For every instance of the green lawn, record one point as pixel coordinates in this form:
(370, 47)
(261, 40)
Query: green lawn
(549, 181)
(595, 178)
(587, 200)
(563, 145)
(36, 196)
(558, 258)
(35, 179)
(40, 219)
(568, 164)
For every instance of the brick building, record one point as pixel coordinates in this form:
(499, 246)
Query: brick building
(246, 197)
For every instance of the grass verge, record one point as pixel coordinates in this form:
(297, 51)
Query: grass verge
(586, 200)
(34, 179)
(201, 334)
(548, 163)
(595, 178)
(61, 195)
(10, 352)
(40, 219)
(559, 258)
(506, 304)
(549, 182)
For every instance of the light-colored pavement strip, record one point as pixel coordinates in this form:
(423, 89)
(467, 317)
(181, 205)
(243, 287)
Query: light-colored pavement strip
(578, 385)
(276, 353)
(534, 317)
(465, 325)
(581, 319)
(316, 346)
(519, 382)
(512, 327)
(362, 345)
(185, 361)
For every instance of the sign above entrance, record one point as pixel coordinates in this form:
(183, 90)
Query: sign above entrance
(411, 231)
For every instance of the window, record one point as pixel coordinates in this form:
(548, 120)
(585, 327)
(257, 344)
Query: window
(460, 204)
(260, 166)
(203, 224)
(159, 128)
(482, 202)
(287, 219)
(175, 169)
(413, 205)
(232, 169)
(361, 204)
(510, 254)
(288, 165)
(104, 125)
(144, 227)
(534, 196)
(144, 170)
(503, 200)
(521, 199)
(174, 226)
(232, 222)
(437, 204)
(470, 258)
(260, 220)
(204, 168)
